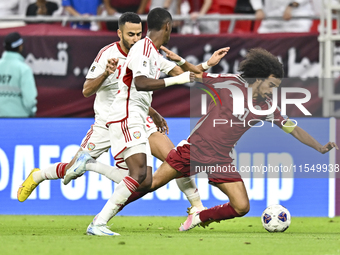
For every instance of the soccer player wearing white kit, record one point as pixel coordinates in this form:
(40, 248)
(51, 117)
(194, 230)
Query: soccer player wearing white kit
(102, 79)
(130, 108)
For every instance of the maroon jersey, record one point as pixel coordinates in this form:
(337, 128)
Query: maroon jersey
(215, 135)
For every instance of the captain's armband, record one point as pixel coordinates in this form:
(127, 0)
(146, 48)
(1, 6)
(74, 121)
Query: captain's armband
(289, 126)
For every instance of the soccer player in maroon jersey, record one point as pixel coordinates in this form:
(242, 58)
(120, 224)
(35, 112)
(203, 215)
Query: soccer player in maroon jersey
(211, 144)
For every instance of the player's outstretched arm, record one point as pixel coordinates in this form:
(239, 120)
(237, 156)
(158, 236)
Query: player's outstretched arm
(159, 121)
(184, 65)
(91, 86)
(214, 59)
(143, 83)
(307, 139)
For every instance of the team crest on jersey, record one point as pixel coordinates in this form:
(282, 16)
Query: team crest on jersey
(93, 68)
(91, 146)
(137, 134)
(144, 63)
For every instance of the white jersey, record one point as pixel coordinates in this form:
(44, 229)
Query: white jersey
(108, 90)
(142, 60)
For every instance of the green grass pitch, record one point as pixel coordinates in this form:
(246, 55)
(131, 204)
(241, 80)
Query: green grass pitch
(50, 235)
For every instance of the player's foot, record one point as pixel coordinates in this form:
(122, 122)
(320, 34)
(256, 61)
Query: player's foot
(207, 223)
(100, 230)
(27, 186)
(78, 168)
(192, 221)
(194, 209)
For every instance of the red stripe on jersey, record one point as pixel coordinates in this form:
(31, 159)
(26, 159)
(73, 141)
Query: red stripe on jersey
(145, 46)
(127, 130)
(121, 50)
(127, 80)
(148, 44)
(102, 51)
(88, 135)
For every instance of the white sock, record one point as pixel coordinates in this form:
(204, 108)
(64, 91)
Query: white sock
(122, 192)
(188, 186)
(48, 173)
(113, 173)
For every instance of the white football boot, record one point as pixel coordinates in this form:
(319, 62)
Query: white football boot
(78, 168)
(100, 230)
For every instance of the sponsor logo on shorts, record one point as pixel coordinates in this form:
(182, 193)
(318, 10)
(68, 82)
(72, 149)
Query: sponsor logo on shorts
(91, 146)
(137, 134)
(144, 63)
(93, 68)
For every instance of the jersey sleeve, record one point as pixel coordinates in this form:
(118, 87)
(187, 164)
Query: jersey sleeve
(139, 62)
(277, 118)
(99, 64)
(166, 65)
(211, 78)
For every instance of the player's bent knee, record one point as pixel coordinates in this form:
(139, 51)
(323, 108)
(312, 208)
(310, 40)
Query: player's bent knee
(242, 209)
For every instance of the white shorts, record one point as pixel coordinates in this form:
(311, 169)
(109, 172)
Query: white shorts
(97, 140)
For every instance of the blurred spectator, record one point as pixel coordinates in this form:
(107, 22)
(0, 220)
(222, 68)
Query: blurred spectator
(199, 8)
(42, 7)
(83, 8)
(117, 7)
(244, 26)
(11, 8)
(286, 9)
(17, 86)
(172, 6)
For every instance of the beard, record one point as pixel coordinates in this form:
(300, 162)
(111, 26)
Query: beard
(126, 44)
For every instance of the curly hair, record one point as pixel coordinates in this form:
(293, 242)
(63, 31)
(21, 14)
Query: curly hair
(259, 64)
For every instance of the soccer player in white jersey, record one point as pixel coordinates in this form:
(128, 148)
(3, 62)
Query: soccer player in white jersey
(130, 108)
(102, 79)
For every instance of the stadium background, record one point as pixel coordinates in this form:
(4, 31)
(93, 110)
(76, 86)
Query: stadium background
(60, 58)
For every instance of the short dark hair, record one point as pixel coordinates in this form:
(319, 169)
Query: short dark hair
(259, 64)
(130, 17)
(157, 17)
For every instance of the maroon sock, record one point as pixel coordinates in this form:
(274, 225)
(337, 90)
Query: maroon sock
(220, 212)
(134, 196)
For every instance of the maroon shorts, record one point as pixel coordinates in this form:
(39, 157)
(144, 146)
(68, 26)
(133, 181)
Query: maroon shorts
(179, 159)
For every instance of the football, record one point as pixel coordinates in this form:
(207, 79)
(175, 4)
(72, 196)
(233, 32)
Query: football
(275, 218)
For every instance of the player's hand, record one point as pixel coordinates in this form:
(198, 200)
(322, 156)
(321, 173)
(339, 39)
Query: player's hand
(160, 122)
(329, 146)
(171, 55)
(198, 77)
(192, 77)
(111, 66)
(217, 56)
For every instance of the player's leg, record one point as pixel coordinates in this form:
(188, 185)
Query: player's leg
(95, 142)
(36, 176)
(163, 175)
(237, 207)
(160, 146)
(132, 149)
